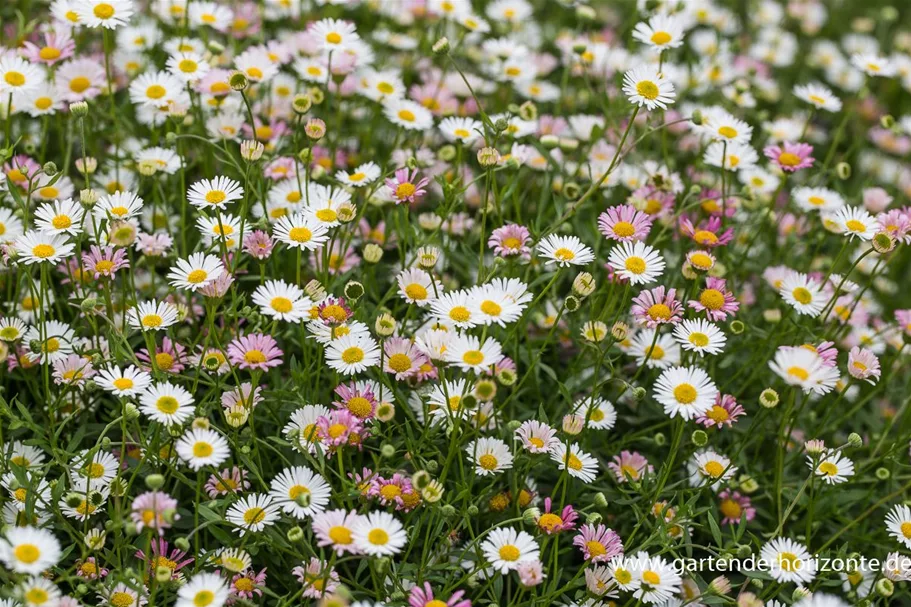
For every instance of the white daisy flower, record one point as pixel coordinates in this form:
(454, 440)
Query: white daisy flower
(575, 461)
(128, 382)
(468, 353)
(350, 354)
(109, 14)
(464, 130)
(803, 367)
(490, 456)
(214, 193)
(663, 354)
(700, 336)
(873, 65)
(188, 67)
(658, 580)
(198, 448)
(646, 87)
(38, 592)
(42, 247)
(832, 466)
(855, 221)
(196, 272)
(685, 391)
(898, 524)
(599, 413)
(788, 561)
(661, 32)
(157, 89)
(362, 175)
(416, 287)
(252, 513)
(455, 307)
(29, 550)
(709, 468)
(379, 534)
(302, 231)
(11, 329)
(152, 316)
(300, 492)
(203, 590)
(333, 34)
(818, 96)
(565, 251)
(803, 293)
(407, 114)
(55, 341)
(817, 199)
(636, 261)
(730, 156)
(506, 549)
(167, 404)
(18, 75)
(280, 300)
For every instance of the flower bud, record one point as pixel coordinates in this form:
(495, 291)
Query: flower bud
(855, 440)
(302, 103)
(619, 331)
(354, 290)
(488, 157)
(799, 594)
(699, 438)
(660, 439)
(373, 253)
(883, 242)
(843, 170)
(572, 303)
(550, 141)
(387, 451)
(882, 474)
(154, 481)
(162, 574)
(697, 118)
(79, 109)
(472, 510)
(584, 285)
(238, 81)
(887, 121)
(385, 325)
(441, 46)
(768, 398)
(737, 327)
(531, 515)
(315, 129)
(251, 150)
(600, 500)
(885, 587)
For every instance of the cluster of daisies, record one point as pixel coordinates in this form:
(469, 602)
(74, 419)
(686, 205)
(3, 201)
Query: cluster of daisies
(443, 303)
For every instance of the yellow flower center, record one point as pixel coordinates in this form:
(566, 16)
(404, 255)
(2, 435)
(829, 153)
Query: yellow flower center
(203, 598)
(802, 295)
(156, 91)
(122, 599)
(509, 553)
(123, 383)
(459, 314)
(406, 115)
(353, 355)
(202, 450)
(647, 89)
(624, 229)
(254, 357)
(43, 251)
(416, 291)
(799, 372)
(714, 469)
(188, 66)
(855, 226)
(215, 196)
(488, 461)
(340, 535)
(651, 578)
(661, 38)
(333, 38)
(14, 78)
(254, 516)
(197, 276)
(712, 299)
(49, 53)
(27, 553)
(103, 11)
(378, 537)
(491, 308)
(828, 468)
(473, 357)
(730, 508)
(700, 340)
(399, 362)
(564, 254)
(659, 311)
(718, 414)
(705, 237)
(152, 320)
(635, 265)
(326, 215)
(788, 561)
(728, 132)
(788, 159)
(685, 394)
(281, 304)
(167, 405)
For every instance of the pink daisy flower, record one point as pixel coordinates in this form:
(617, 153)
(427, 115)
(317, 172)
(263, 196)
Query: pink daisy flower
(629, 465)
(407, 186)
(706, 234)
(229, 481)
(424, 597)
(154, 245)
(903, 318)
(149, 511)
(863, 364)
(711, 202)
(715, 300)
(175, 560)
(339, 428)
(656, 307)
(104, 262)
(598, 543)
(255, 351)
(316, 578)
(245, 395)
(790, 157)
(511, 240)
(654, 202)
(551, 523)
(280, 168)
(169, 357)
(389, 490)
(403, 358)
(90, 569)
(624, 223)
(531, 573)
(247, 585)
(258, 244)
(536, 437)
(333, 528)
(724, 412)
(733, 506)
(58, 46)
(361, 403)
(897, 223)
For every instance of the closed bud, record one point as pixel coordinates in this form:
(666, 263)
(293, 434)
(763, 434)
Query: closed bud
(699, 438)
(354, 290)
(550, 141)
(472, 510)
(572, 303)
(585, 13)
(843, 170)
(421, 479)
(315, 129)
(295, 534)
(528, 111)
(720, 585)
(88, 304)
(660, 439)
(163, 574)
(887, 121)
(584, 285)
(251, 150)
(385, 325)
(182, 543)
(315, 290)
(600, 500)
(373, 253)
(531, 515)
(88, 198)
(885, 587)
(501, 125)
(488, 157)
(571, 190)
(154, 481)
(569, 145)
(238, 81)
(441, 46)
(619, 331)
(130, 412)
(447, 153)
(744, 551)
(799, 594)
(883, 242)
(79, 109)
(737, 327)
(697, 118)
(855, 440)
(81, 589)
(448, 511)
(639, 393)
(768, 398)
(302, 103)
(387, 451)
(883, 474)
